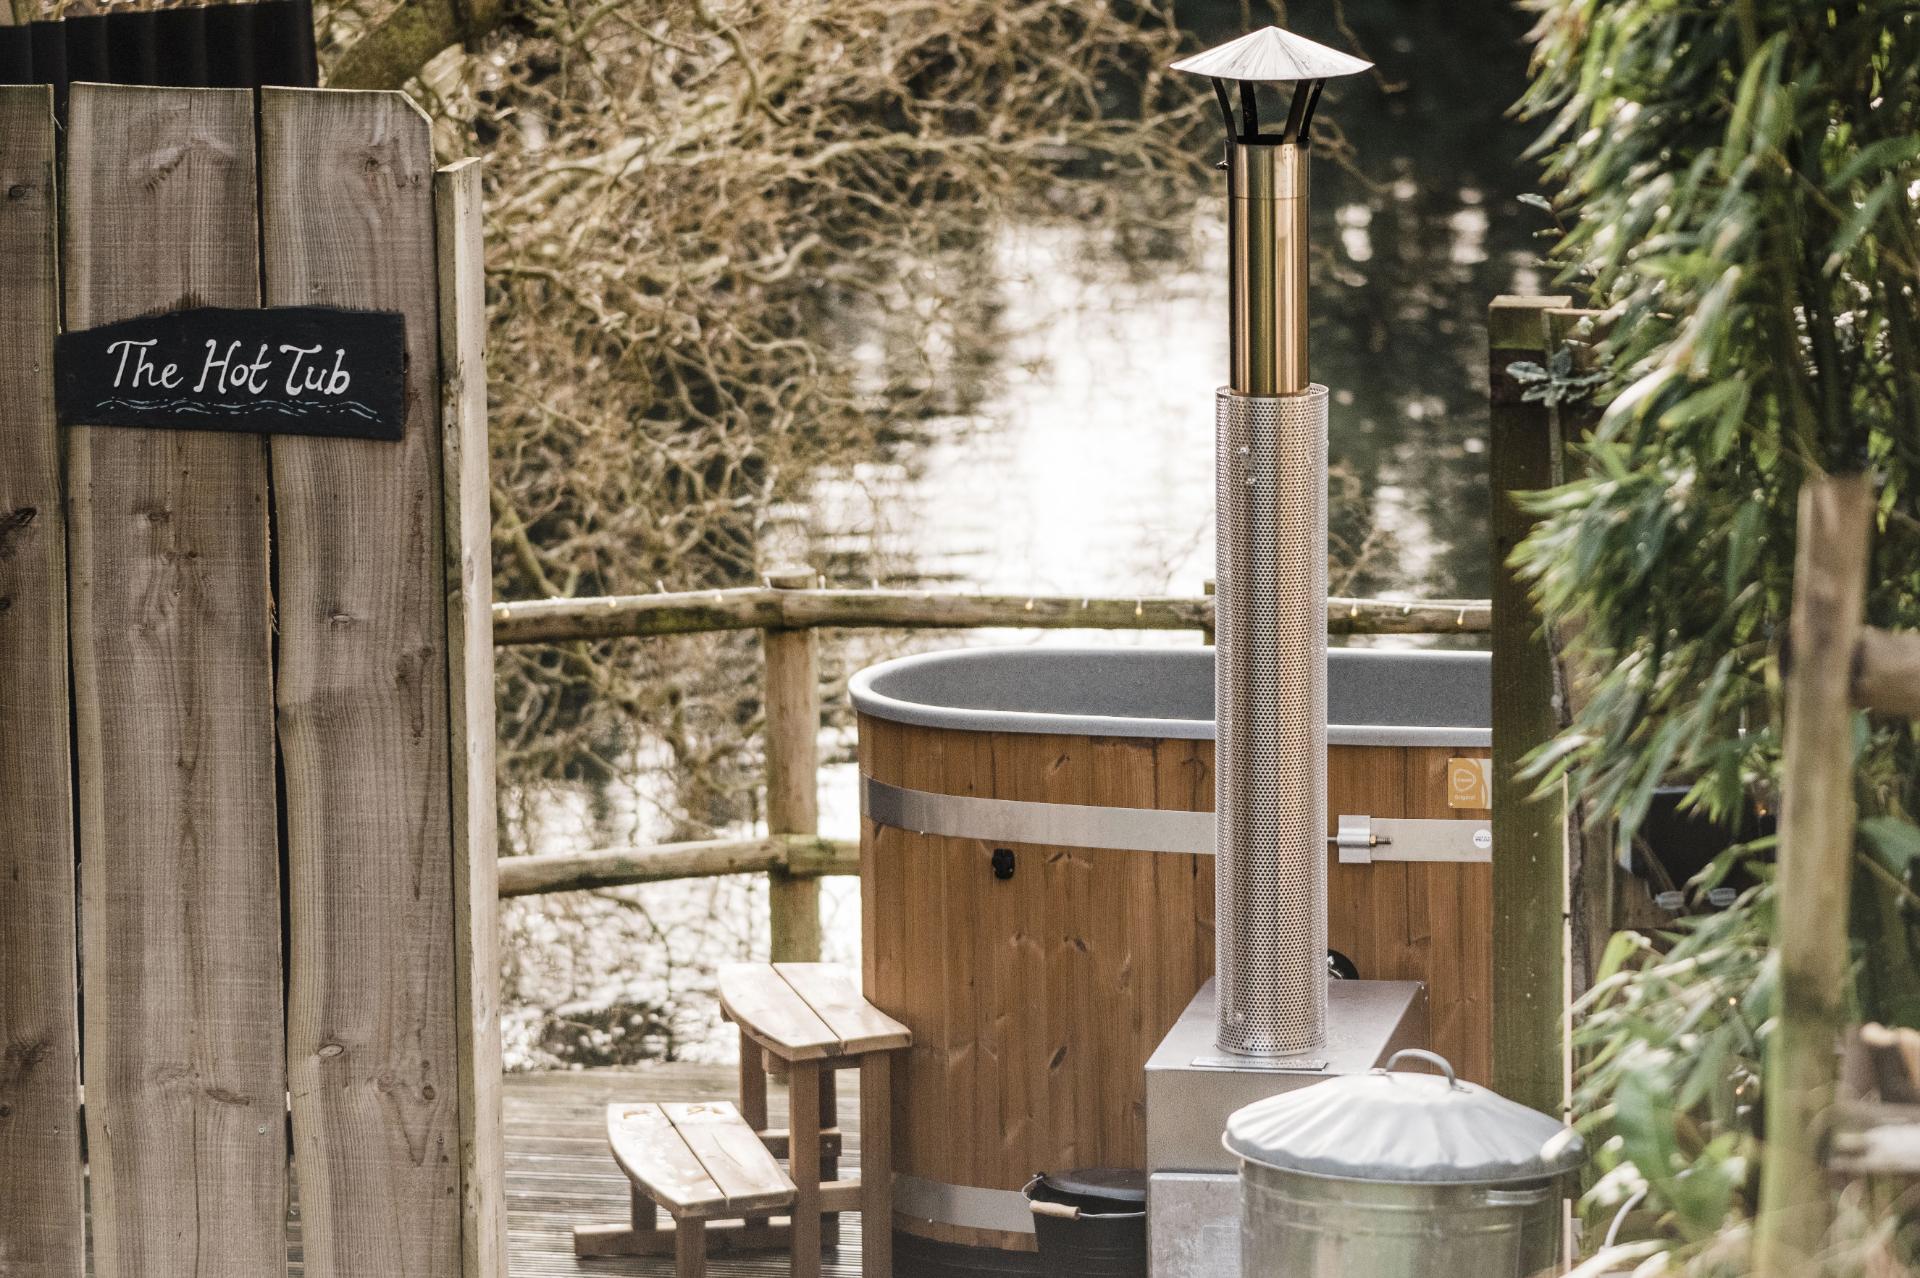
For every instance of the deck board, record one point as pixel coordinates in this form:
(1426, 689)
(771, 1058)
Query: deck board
(560, 1173)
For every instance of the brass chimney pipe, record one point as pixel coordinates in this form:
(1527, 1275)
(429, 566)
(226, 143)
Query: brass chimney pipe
(1267, 257)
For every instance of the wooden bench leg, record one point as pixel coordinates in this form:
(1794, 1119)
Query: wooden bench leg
(803, 1164)
(690, 1249)
(644, 1215)
(753, 1084)
(876, 1165)
(829, 1161)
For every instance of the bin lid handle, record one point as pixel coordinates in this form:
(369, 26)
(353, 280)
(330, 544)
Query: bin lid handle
(1434, 1059)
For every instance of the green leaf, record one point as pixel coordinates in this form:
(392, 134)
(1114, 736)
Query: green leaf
(1742, 545)
(1892, 842)
(1887, 153)
(1857, 226)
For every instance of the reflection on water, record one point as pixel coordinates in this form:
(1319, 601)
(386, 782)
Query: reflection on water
(1084, 462)
(1075, 454)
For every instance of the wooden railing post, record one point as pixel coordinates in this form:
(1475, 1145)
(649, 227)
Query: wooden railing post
(793, 785)
(1529, 834)
(1815, 860)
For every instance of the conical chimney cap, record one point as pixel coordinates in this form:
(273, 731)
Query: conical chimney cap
(1272, 56)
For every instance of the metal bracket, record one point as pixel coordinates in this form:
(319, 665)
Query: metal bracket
(1362, 840)
(1356, 840)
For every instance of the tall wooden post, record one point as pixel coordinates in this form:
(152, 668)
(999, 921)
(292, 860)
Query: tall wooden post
(1816, 853)
(1529, 834)
(793, 787)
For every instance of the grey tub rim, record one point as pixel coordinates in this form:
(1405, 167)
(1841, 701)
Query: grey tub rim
(869, 698)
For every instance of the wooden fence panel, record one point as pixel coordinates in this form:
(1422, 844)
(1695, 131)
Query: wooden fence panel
(373, 1052)
(41, 1228)
(172, 661)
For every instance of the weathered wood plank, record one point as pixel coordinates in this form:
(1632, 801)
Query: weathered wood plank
(748, 1177)
(180, 917)
(647, 1149)
(364, 723)
(42, 1231)
(829, 990)
(470, 701)
(768, 1009)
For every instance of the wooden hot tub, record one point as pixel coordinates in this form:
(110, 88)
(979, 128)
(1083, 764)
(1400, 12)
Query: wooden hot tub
(1037, 896)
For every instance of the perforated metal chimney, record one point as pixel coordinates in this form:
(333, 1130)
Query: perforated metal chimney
(1271, 570)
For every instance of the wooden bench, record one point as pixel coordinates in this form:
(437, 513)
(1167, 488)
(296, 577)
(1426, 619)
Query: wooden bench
(703, 1163)
(710, 1163)
(809, 1020)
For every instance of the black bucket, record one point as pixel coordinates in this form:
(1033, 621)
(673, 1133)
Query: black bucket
(1091, 1223)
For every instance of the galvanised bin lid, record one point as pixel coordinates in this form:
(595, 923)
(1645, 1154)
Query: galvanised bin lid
(1402, 1127)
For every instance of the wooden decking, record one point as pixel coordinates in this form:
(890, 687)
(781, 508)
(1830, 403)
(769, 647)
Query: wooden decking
(559, 1173)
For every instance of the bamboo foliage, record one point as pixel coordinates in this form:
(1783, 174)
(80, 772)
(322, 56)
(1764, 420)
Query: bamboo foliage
(1737, 180)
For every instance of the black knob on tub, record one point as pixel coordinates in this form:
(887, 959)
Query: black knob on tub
(1003, 863)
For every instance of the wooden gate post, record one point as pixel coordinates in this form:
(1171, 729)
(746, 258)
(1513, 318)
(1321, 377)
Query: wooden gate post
(792, 691)
(1529, 834)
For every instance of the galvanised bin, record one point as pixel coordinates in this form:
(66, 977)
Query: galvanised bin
(1396, 1174)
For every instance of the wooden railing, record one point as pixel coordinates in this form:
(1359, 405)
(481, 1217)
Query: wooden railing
(788, 610)
(1544, 868)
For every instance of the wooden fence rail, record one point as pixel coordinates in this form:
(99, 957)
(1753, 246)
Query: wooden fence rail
(774, 608)
(798, 855)
(787, 612)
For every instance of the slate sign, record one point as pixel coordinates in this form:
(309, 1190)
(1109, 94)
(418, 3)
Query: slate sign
(293, 370)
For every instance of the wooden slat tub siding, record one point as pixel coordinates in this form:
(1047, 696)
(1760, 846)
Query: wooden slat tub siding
(884, 914)
(41, 1224)
(180, 911)
(1123, 928)
(1450, 909)
(1034, 1000)
(470, 699)
(362, 698)
(1365, 903)
(1183, 782)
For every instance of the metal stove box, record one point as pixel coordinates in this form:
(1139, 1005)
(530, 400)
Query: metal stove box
(1193, 1188)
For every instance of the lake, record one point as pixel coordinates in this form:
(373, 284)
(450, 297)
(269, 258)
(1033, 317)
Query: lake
(1083, 463)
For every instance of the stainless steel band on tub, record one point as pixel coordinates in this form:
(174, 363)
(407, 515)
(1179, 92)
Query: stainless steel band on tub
(1077, 825)
(1071, 825)
(967, 1206)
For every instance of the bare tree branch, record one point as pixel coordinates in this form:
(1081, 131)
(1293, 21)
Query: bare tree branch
(394, 48)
